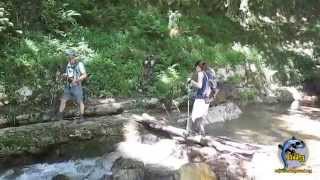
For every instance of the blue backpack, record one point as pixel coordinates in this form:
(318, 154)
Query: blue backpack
(211, 79)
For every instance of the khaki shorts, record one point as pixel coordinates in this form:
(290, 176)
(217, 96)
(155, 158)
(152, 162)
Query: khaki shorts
(73, 93)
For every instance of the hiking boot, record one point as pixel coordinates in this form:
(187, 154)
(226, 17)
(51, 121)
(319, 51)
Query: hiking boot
(82, 119)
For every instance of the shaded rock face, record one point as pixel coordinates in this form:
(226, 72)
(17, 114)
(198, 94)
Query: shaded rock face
(35, 138)
(312, 88)
(155, 172)
(3, 96)
(224, 73)
(127, 169)
(280, 95)
(195, 171)
(312, 92)
(67, 170)
(226, 92)
(24, 92)
(223, 112)
(60, 177)
(149, 139)
(310, 100)
(284, 96)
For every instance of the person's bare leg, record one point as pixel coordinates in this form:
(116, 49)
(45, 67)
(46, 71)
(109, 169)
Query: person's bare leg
(81, 108)
(62, 105)
(81, 104)
(61, 109)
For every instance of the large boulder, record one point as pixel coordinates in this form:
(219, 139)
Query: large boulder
(195, 171)
(37, 137)
(24, 92)
(312, 87)
(284, 95)
(157, 172)
(3, 122)
(127, 169)
(226, 92)
(310, 100)
(223, 112)
(60, 177)
(224, 73)
(3, 96)
(270, 100)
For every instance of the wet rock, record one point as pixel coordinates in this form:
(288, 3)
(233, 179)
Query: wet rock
(37, 137)
(152, 102)
(195, 171)
(223, 112)
(24, 92)
(3, 96)
(109, 159)
(7, 174)
(310, 100)
(312, 87)
(107, 100)
(96, 171)
(60, 177)
(82, 134)
(224, 73)
(3, 122)
(180, 101)
(270, 100)
(156, 172)
(283, 95)
(149, 139)
(226, 92)
(127, 169)
(129, 104)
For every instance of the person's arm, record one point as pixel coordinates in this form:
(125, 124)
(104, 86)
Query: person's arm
(82, 72)
(198, 84)
(65, 74)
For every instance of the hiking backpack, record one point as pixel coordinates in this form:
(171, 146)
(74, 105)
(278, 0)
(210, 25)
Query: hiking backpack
(211, 79)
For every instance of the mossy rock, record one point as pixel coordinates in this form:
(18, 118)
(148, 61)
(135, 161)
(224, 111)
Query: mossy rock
(196, 171)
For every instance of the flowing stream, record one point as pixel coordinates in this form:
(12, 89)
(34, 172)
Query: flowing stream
(259, 124)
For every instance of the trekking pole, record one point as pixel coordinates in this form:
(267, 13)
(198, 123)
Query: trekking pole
(188, 116)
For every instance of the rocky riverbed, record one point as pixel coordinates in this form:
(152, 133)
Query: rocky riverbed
(153, 156)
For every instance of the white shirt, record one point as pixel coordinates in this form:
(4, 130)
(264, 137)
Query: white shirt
(71, 70)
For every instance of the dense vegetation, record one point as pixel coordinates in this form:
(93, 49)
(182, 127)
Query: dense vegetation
(115, 37)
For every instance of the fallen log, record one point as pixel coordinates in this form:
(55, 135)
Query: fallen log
(220, 144)
(97, 110)
(94, 110)
(228, 158)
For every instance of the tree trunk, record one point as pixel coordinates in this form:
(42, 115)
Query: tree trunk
(94, 110)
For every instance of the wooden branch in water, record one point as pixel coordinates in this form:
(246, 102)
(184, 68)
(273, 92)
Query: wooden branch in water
(229, 159)
(220, 144)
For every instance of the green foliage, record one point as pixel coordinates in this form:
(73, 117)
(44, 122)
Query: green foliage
(57, 16)
(248, 95)
(169, 83)
(114, 37)
(235, 80)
